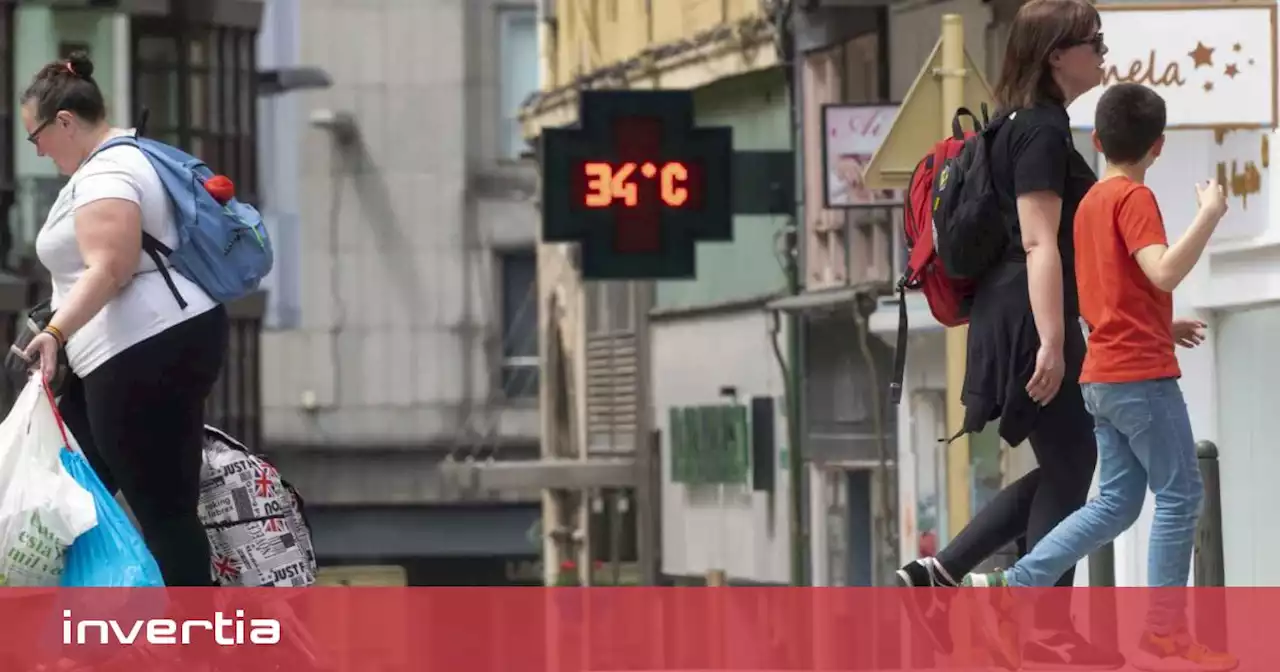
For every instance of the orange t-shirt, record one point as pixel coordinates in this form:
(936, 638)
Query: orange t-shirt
(1130, 319)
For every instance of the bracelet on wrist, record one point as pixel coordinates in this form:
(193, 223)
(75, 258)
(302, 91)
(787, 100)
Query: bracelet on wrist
(56, 334)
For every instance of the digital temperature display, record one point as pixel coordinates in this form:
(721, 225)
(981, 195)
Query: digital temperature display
(640, 184)
(609, 183)
(636, 184)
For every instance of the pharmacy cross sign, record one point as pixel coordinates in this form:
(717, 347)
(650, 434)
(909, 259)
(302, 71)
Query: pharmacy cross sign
(636, 184)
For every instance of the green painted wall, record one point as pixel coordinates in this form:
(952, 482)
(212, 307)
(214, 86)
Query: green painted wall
(756, 107)
(41, 32)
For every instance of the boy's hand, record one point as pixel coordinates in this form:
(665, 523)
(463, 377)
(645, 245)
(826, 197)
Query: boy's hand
(1188, 333)
(1212, 199)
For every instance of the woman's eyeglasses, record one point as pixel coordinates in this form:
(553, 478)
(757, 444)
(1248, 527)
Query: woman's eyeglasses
(1094, 40)
(35, 135)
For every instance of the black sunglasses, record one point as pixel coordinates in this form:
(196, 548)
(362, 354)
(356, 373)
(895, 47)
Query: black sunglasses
(1096, 40)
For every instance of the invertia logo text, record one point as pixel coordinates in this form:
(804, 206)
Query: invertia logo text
(165, 632)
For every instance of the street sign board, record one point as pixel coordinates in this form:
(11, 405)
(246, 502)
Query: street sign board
(918, 126)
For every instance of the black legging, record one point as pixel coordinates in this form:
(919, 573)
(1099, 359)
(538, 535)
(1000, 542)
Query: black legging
(139, 418)
(1025, 511)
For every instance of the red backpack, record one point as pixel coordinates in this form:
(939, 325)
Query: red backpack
(947, 296)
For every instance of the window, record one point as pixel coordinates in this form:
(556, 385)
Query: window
(517, 74)
(198, 82)
(519, 287)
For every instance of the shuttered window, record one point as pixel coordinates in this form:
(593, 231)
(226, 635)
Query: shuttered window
(613, 366)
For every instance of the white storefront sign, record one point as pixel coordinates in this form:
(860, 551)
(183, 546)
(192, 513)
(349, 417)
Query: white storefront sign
(1215, 65)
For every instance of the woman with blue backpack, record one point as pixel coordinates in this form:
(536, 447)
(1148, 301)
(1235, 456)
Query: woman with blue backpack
(139, 334)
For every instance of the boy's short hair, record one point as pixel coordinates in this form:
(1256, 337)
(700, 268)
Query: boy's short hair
(1130, 118)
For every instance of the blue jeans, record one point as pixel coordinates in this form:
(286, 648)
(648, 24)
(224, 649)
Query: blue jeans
(1144, 438)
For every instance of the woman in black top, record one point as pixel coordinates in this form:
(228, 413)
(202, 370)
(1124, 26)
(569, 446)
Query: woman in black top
(1026, 347)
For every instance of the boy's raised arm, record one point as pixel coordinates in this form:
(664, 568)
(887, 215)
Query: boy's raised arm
(1166, 266)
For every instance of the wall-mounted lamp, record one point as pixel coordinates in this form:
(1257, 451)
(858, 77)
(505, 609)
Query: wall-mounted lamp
(283, 80)
(341, 125)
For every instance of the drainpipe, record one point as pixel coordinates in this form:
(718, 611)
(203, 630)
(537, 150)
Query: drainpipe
(793, 69)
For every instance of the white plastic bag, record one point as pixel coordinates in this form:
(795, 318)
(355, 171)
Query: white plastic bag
(42, 508)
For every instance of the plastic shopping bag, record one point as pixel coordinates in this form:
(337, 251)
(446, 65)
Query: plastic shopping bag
(112, 554)
(42, 507)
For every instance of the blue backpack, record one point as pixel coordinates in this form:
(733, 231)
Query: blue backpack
(222, 248)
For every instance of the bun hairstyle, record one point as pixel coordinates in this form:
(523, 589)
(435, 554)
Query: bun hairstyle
(67, 85)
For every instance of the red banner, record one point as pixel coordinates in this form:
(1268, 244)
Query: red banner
(580, 630)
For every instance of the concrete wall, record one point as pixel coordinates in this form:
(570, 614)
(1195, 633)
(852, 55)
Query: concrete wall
(398, 336)
(730, 527)
(1246, 440)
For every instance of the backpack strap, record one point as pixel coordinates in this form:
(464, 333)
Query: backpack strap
(150, 244)
(154, 249)
(900, 355)
(957, 131)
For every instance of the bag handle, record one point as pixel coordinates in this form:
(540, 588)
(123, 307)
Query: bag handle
(57, 415)
(957, 131)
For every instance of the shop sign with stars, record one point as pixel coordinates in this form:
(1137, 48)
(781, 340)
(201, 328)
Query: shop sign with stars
(1215, 65)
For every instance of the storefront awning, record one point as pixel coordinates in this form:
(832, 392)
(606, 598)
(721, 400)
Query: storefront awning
(883, 321)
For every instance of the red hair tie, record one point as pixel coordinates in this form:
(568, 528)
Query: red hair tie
(71, 68)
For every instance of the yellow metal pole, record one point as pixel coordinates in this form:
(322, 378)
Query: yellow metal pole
(958, 480)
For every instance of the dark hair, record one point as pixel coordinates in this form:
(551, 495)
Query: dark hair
(67, 85)
(1129, 119)
(1040, 28)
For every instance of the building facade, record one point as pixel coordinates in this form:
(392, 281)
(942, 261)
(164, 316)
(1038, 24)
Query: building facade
(400, 332)
(623, 348)
(715, 348)
(880, 485)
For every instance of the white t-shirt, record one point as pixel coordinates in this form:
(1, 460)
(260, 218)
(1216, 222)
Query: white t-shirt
(145, 306)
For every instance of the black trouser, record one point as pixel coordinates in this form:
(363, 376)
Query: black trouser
(139, 418)
(1026, 510)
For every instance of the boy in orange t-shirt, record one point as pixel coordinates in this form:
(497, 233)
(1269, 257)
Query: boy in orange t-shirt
(1126, 272)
